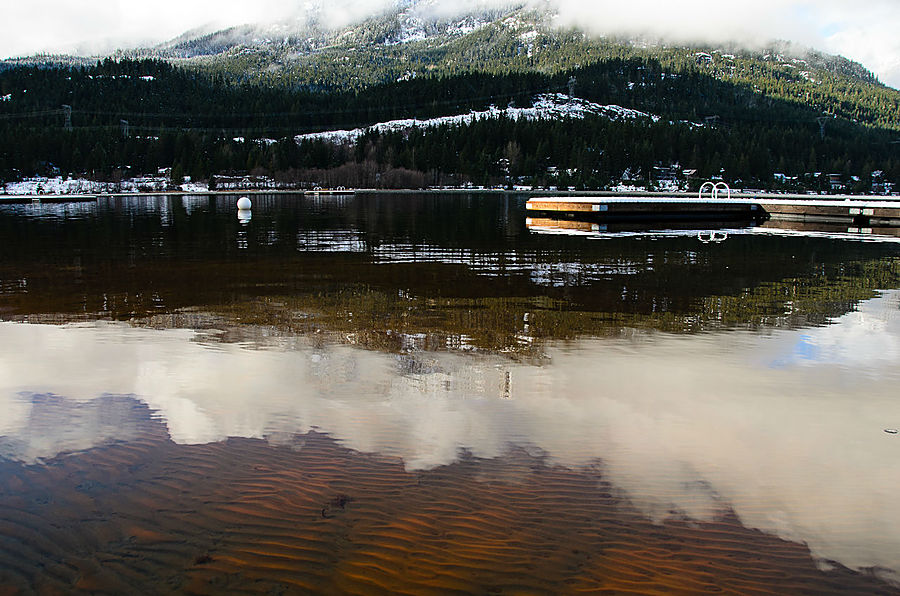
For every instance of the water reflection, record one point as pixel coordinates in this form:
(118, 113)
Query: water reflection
(866, 341)
(699, 380)
(711, 231)
(442, 267)
(52, 211)
(786, 429)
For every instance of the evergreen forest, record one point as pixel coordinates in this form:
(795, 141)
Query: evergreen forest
(748, 119)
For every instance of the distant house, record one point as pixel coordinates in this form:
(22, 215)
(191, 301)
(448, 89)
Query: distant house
(836, 182)
(882, 188)
(664, 174)
(631, 175)
(783, 178)
(879, 186)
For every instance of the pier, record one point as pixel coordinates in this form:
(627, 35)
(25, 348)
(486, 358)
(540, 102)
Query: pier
(858, 211)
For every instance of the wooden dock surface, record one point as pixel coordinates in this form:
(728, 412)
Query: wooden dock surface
(862, 210)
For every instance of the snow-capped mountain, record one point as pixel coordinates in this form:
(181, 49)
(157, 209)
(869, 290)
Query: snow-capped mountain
(308, 31)
(409, 39)
(415, 38)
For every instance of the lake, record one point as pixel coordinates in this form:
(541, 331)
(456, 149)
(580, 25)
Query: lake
(403, 393)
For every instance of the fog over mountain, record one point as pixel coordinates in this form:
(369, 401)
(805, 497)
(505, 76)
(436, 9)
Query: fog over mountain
(862, 31)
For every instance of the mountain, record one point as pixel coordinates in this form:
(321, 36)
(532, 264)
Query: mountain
(253, 98)
(415, 41)
(308, 33)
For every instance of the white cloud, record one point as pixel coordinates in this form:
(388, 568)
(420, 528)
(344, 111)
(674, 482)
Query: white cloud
(875, 44)
(685, 21)
(864, 30)
(103, 25)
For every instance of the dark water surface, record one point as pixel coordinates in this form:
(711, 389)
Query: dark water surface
(424, 394)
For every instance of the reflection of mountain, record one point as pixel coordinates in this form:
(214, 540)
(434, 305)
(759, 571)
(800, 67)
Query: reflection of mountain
(455, 270)
(793, 445)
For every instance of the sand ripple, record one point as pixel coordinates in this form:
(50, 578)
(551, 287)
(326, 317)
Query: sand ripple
(312, 516)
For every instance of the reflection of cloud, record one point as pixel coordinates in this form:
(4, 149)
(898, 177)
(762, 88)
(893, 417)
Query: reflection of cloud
(868, 338)
(690, 424)
(55, 424)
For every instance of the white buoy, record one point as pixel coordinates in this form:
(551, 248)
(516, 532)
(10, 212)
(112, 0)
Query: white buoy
(244, 204)
(244, 216)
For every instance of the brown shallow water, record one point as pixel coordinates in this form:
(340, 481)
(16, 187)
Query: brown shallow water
(241, 516)
(419, 395)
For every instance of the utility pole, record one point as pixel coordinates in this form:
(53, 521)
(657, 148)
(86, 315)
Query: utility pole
(822, 120)
(67, 111)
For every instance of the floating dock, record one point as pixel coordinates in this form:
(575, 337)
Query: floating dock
(35, 199)
(638, 209)
(326, 192)
(863, 211)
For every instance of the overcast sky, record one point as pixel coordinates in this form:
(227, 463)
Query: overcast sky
(864, 30)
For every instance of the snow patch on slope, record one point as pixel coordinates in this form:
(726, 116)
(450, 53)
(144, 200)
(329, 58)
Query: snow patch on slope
(549, 106)
(420, 23)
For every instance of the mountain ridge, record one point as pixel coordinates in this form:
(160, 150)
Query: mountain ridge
(422, 42)
(430, 43)
(724, 111)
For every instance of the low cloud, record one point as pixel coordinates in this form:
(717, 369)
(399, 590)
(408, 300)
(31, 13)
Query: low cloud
(686, 21)
(864, 30)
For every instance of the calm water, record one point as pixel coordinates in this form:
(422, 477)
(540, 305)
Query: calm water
(429, 394)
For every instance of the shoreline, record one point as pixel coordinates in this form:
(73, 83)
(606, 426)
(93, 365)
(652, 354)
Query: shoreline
(88, 197)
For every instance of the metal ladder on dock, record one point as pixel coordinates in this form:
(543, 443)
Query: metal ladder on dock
(714, 189)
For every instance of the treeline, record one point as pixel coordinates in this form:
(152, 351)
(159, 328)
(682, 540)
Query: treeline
(596, 152)
(135, 117)
(152, 94)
